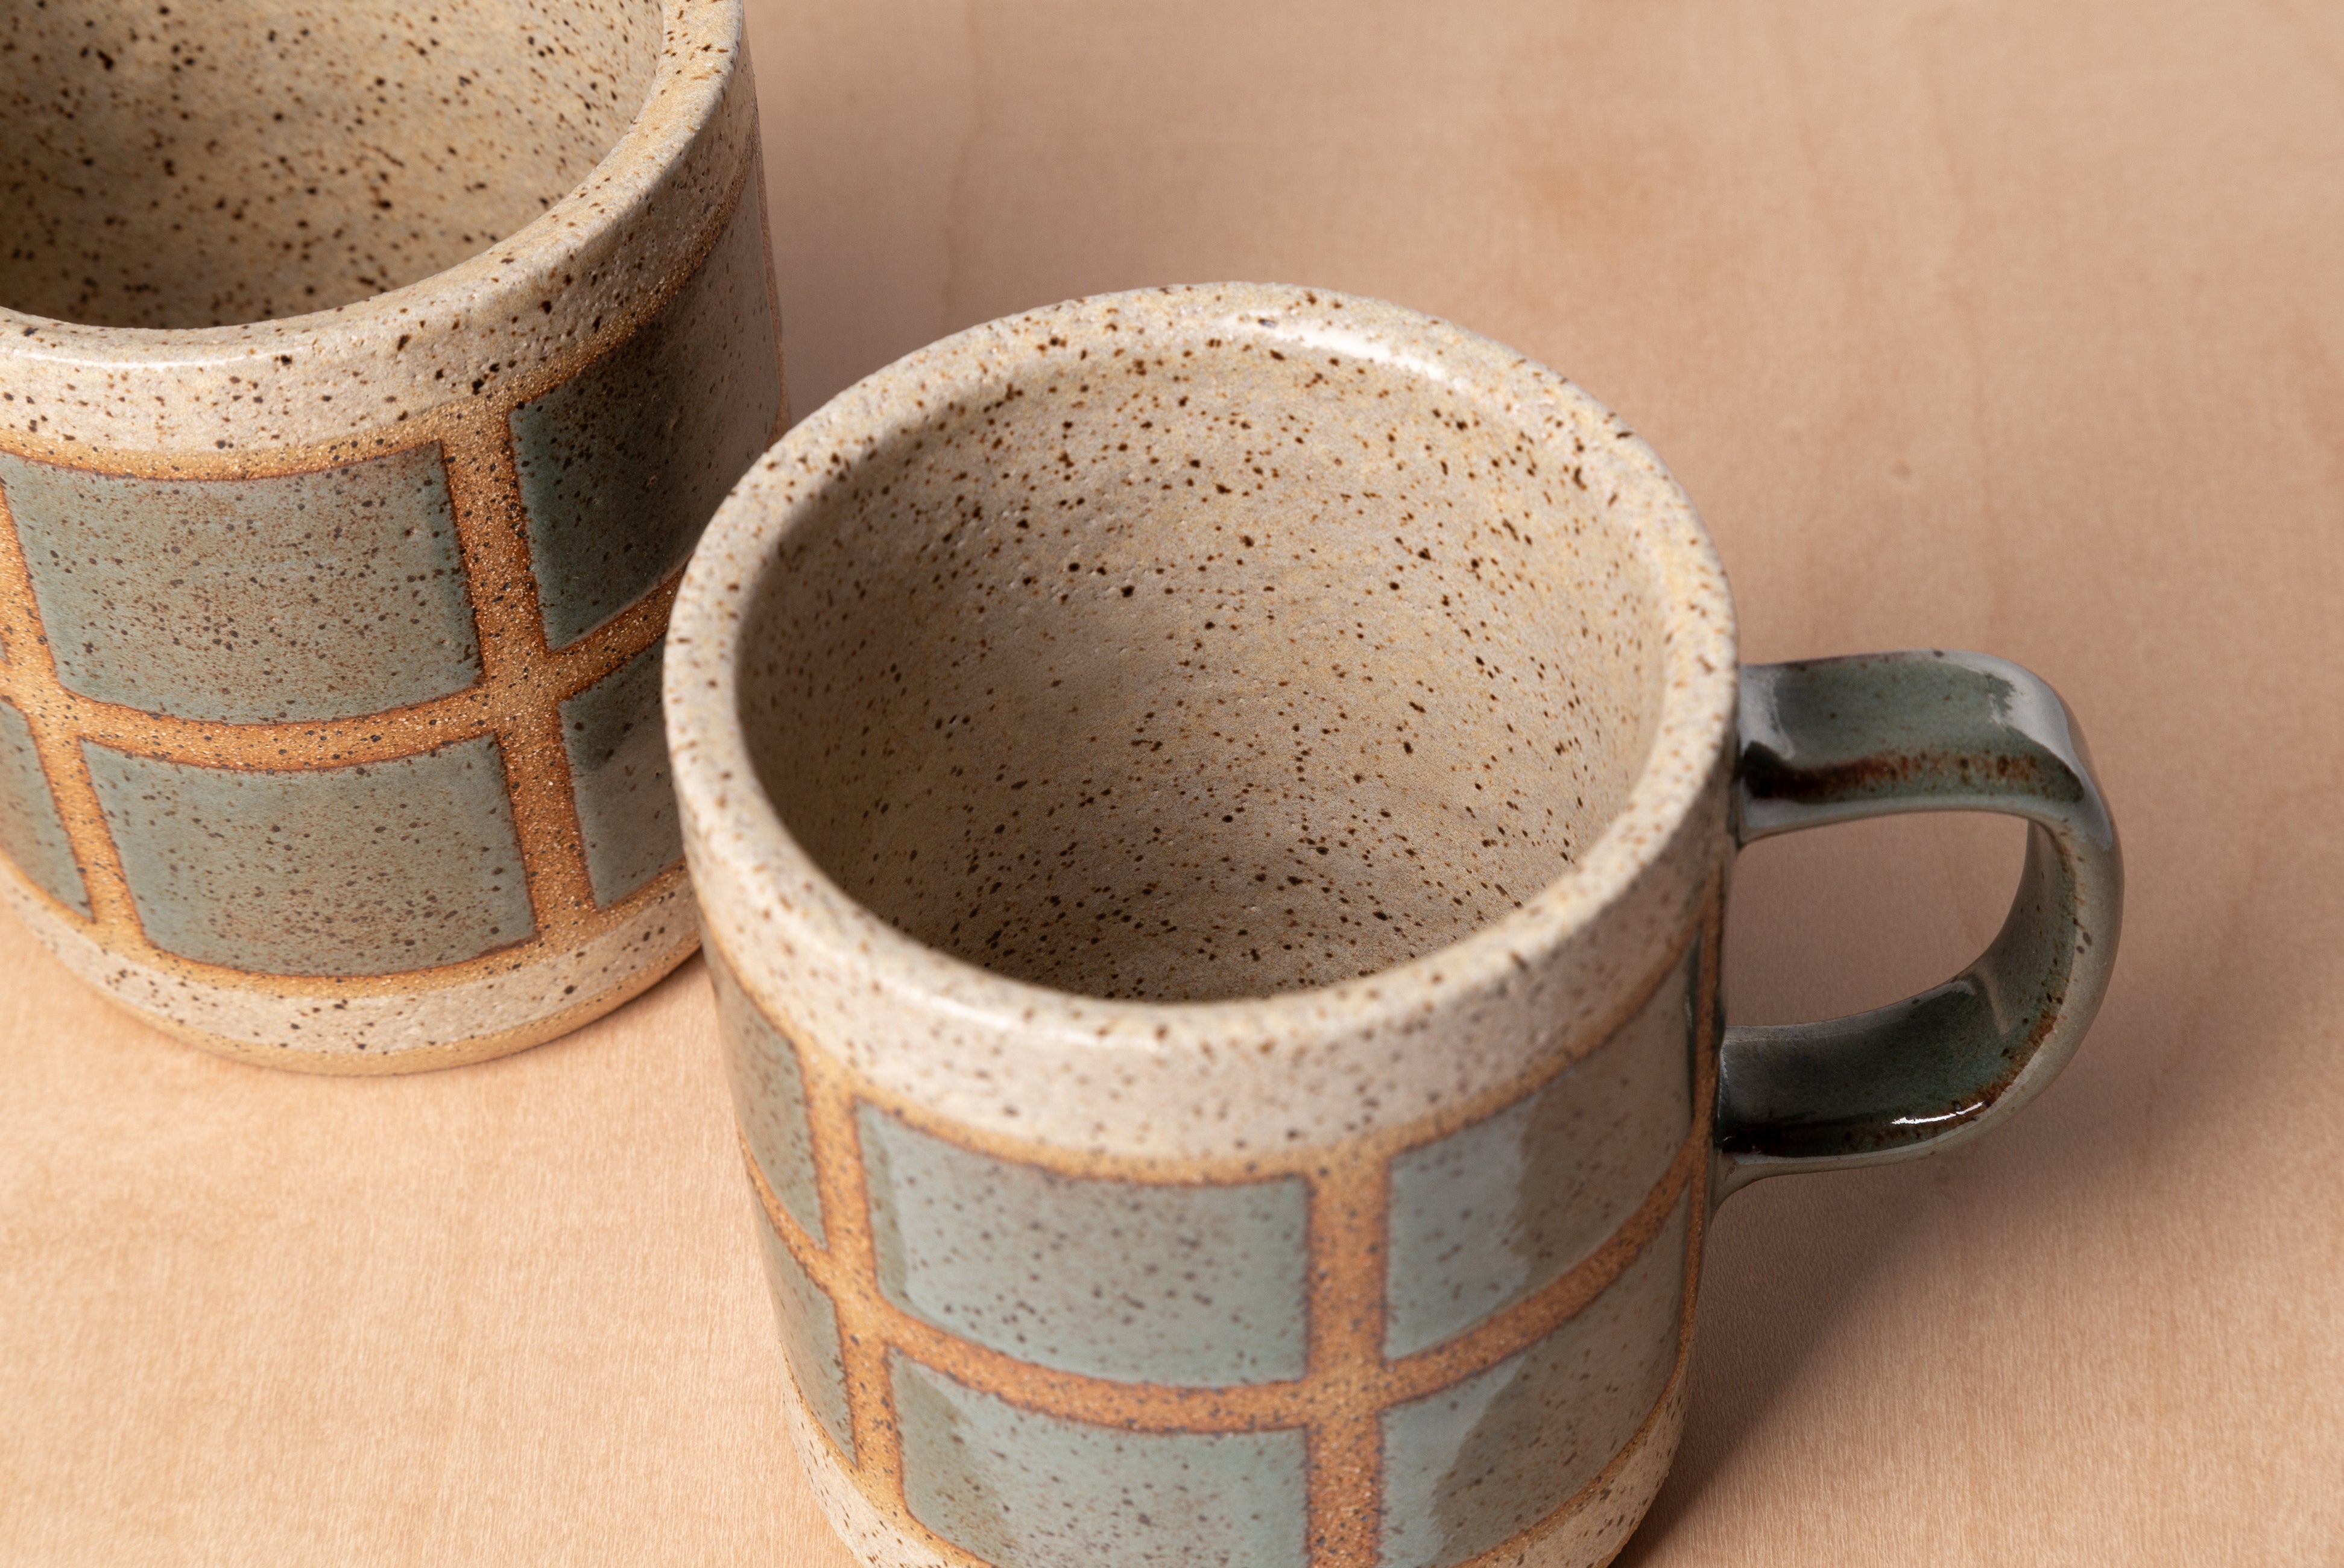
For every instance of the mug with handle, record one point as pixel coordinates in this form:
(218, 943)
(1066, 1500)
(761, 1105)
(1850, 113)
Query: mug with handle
(1210, 809)
(366, 376)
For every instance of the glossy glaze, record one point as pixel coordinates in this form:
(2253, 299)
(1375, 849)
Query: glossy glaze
(810, 1343)
(1485, 1217)
(1008, 1485)
(1203, 1284)
(1831, 740)
(30, 834)
(307, 595)
(768, 1098)
(1483, 1460)
(620, 466)
(617, 751)
(372, 869)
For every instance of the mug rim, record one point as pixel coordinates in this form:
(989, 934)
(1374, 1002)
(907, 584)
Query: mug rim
(727, 813)
(678, 102)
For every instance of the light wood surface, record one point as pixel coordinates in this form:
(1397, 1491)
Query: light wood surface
(1966, 322)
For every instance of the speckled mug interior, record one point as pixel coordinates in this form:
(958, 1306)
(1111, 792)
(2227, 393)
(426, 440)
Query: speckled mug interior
(1203, 666)
(210, 162)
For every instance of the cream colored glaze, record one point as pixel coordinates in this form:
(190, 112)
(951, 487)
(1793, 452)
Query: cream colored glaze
(831, 571)
(1151, 683)
(305, 1024)
(566, 264)
(209, 164)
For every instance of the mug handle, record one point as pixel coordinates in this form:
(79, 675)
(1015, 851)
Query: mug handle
(1835, 740)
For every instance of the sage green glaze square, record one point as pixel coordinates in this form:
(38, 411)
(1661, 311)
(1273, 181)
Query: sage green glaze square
(810, 1347)
(768, 1098)
(621, 466)
(1485, 1216)
(618, 771)
(1190, 1285)
(315, 595)
(368, 870)
(1027, 1491)
(30, 833)
(1480, 1462)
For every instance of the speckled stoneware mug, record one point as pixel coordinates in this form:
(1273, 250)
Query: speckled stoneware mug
(366, 373)
(1211, 811)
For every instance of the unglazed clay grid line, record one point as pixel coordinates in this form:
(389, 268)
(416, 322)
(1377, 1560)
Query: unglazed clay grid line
(1707, 1018)
(848, 1269)
(1598, 1486)
(303, 744)
(1350, 1383)
(493, 529)
(516, 699)
(1350, 1205)
(58, 748)
(1326, 1392)
(1238, 1169)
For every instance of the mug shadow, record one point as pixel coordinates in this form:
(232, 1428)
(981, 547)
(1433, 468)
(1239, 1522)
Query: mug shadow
(1775, 1285)
(1789, 1263)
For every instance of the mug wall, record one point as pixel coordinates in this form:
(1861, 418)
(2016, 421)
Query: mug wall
(337, 744)
(1033, 1361)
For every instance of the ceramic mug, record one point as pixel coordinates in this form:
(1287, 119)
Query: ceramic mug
(1211, 812)
(365, 379)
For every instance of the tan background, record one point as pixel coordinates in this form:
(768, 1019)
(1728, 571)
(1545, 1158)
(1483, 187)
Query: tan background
(1987, 323)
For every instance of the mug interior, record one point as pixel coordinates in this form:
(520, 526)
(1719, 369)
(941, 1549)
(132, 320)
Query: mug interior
(214, 162)
(1193, 663)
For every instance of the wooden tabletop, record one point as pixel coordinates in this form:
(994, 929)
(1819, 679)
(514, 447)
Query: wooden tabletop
(1979, 323)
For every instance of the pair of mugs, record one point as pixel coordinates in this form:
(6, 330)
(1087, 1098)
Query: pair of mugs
(1209, 809)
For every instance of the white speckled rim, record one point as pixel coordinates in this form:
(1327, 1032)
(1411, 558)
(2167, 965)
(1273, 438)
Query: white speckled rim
(746, 862)
(66, 369)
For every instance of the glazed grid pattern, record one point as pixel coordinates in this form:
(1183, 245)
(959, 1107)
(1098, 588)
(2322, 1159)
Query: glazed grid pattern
(1350, 1383)
(517, 701)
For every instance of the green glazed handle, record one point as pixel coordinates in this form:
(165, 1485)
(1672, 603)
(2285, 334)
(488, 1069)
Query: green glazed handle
(1832, 740)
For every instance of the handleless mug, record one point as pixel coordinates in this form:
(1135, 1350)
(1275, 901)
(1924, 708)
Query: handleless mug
(1211, 810)
(366, 373)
